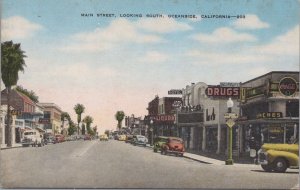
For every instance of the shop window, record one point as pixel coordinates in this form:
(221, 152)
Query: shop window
(292, 109)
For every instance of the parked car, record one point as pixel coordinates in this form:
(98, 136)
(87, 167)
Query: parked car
(87, 137)
(59, 138)
(278, 157)
(140, 140)
(103, 137)
(49, 138)
(122, 137)
(158, 142)
(33, 138)
(129, 138)
(174, 145)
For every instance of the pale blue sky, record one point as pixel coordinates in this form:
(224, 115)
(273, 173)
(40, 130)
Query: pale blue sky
(111, 64)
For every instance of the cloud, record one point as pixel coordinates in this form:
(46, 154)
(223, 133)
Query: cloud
(224, 35)
(282, 49)
(251, 22)
(286, 44)
(120, 31)
(17, 27)
(154, 57)
(221, 58)
(162, 25)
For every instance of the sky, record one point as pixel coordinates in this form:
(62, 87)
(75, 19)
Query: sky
(121, 61)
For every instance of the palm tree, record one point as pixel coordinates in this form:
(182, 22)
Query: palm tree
(88, 120)
(79, 109)
(119, 117)
(12, 61)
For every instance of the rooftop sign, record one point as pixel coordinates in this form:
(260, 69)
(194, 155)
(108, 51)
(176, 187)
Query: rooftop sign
(174, 92)
(229, 84)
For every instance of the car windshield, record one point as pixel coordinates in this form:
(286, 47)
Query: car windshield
(140, 137)
(176, 140)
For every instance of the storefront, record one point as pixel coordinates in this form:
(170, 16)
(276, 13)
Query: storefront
(269, 110)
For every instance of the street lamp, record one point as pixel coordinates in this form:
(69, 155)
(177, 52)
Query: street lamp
(151, 129)
(230, 123)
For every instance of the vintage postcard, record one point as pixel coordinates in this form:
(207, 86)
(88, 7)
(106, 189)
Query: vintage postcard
(149, 94)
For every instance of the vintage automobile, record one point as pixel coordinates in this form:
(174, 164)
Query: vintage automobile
(33, 138)
(174, 145)
(59, 138)
(49, 138)
(103, 137)
(158, 142)
(87, 137)
(278, 157)
(122, 138)
(129, 138)
(139, 140)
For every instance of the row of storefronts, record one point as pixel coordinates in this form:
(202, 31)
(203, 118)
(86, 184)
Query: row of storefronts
(266, 108)
(45, 117)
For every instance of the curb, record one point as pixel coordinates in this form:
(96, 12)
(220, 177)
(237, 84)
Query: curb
(5, 148)
(197, 160)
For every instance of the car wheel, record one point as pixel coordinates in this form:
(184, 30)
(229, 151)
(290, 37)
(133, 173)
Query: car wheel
(280, 165)
(162, 152)
(154, 150)
(267, 168)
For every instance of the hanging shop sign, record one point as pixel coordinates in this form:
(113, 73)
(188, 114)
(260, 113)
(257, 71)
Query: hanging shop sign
(15, 112)
(44, 121)
(160, 119)
(287, 86)
(269, 115)
(174, 92)
(219, 91)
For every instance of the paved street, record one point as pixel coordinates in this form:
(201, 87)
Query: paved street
(115, 164)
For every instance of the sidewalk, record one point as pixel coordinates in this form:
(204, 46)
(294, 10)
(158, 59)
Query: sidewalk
(214, 159)
(16, 145)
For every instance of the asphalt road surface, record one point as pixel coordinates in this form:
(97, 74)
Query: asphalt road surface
(116, 164)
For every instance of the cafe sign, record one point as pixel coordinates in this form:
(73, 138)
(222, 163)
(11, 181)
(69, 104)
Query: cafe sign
(287, 86)
(269, 115)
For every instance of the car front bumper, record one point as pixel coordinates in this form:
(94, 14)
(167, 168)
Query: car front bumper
(262, 157)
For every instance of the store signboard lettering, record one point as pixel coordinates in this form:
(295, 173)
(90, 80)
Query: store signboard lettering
(218, 91)
(162, 118)
(229, 84)
(269, 115)
(287, 86)
(174, 92)
(44, 121)
(275, 130)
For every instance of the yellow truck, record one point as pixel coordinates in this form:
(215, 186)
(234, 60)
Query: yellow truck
(278, 157)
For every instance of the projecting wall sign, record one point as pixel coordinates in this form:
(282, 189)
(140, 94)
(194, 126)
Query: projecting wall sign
(287, 86)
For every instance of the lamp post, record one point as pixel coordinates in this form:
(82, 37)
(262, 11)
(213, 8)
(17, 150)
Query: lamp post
(230, 123)
(151, 129)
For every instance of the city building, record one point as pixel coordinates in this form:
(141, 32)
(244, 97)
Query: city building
(201, 119)
(28, 113)
(269, 109)
(161, 117)
(52, 118)
(135, 125)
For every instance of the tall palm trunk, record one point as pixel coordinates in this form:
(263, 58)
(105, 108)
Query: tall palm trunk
(8, 126)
